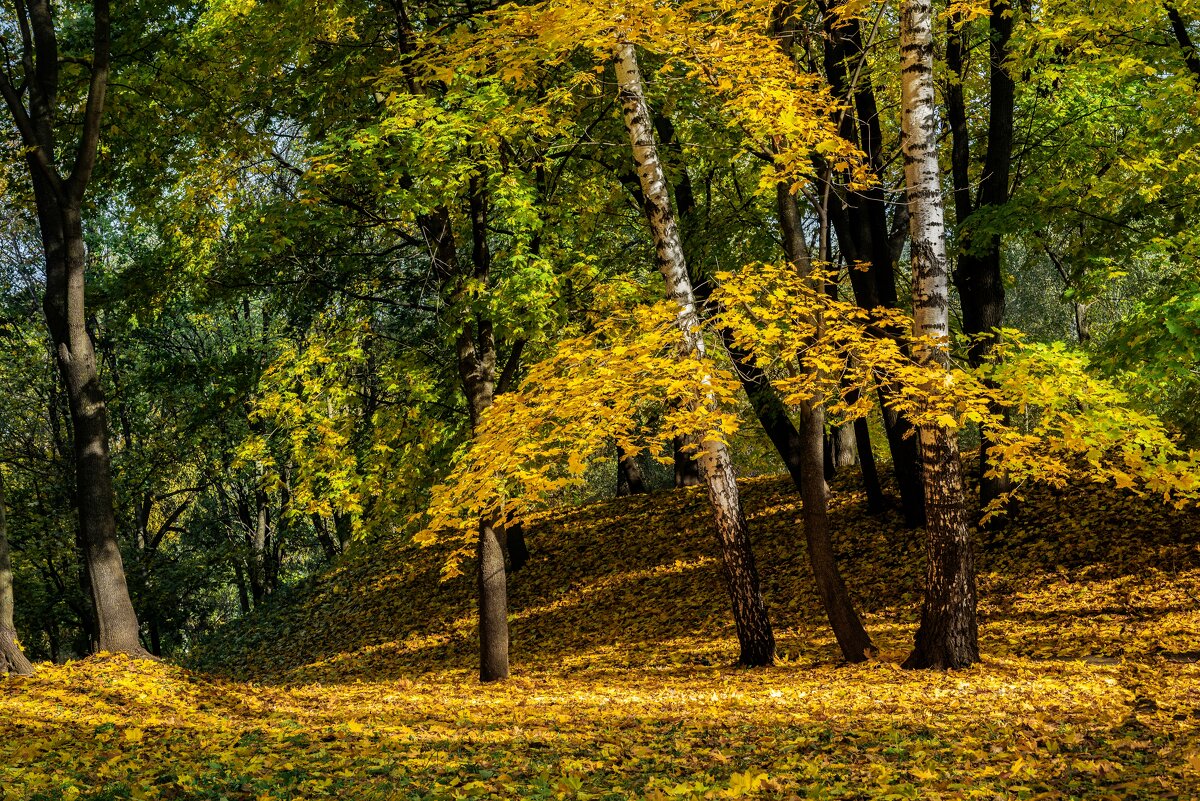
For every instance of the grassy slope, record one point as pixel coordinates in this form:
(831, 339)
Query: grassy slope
(622, 644)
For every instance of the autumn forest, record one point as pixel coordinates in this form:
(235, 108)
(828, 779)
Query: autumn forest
(599, 399)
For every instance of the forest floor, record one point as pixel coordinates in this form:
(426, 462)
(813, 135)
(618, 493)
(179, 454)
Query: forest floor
(361, 685)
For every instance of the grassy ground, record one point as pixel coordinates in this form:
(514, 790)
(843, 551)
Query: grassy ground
(362, 686)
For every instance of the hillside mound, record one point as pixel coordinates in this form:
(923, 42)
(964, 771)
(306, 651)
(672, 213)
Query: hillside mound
(361, 684)
(1093, 574)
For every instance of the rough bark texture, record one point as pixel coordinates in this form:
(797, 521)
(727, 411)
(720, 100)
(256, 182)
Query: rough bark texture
(843, 452)
(947, 637)
(493, 606)
(32, 101)
(814, 492)
(860, 221)
(12, 658)
(741, 574)
(629, 475)
(475, 351)
(978, 275)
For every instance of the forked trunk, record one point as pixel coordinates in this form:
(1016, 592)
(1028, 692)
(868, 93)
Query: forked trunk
(814, 492)
(12, 658)
(947, 637)
(475, 354)
(755, 636)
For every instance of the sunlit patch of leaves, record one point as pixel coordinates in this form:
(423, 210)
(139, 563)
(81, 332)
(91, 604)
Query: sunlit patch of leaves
(362, 685)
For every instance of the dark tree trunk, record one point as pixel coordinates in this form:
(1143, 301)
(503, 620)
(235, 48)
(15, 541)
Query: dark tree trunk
(852, 638)
(947, 637)
(866, 465)
(12, 658)
(862, 232)
(59, 200)
(515, 546)
(755, 636)
(475, 350)
(243, 594)
(629, 475)
(977, 275)
(687, 472)
(814, 492)
(1188, 48)
(493, 606)
(321, 530)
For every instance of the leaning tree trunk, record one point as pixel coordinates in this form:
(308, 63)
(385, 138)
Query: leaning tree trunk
(814, 492)
(741, 574)
(947, 637)
(12, 659)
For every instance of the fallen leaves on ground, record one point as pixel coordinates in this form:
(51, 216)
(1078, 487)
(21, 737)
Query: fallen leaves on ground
(362, 684)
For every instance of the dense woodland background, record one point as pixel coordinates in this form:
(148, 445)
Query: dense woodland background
(266, 266)
(438, 400)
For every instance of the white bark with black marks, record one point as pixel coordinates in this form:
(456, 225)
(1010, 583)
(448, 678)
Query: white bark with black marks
(741, 574)
(948, 636)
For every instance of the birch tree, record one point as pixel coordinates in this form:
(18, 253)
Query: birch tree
(948, 636)
(755, 636)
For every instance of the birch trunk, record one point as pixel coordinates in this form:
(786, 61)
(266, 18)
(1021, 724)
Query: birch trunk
(947, 637)
(12, 659)
(755, 636)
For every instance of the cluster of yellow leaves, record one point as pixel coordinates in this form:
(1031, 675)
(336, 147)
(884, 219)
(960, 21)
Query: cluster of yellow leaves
(363, 686)
(724, 46)
(1049, 417)
(572, 406)
(315, 438)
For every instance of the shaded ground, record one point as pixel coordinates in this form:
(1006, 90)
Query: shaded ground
(362, 686)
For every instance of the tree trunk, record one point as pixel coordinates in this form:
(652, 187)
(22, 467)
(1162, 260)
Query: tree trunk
(687, 471)
(1186, 46)
(59, 200)
(475, 351)
(755, 636)
(493, 606)
(862, 232)
(977, 275)
(12, 658)
(764, 400)
(866, 465)
(947, 637)
(842, 446)
(629, 475)
(814, 492)
(516, 547)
